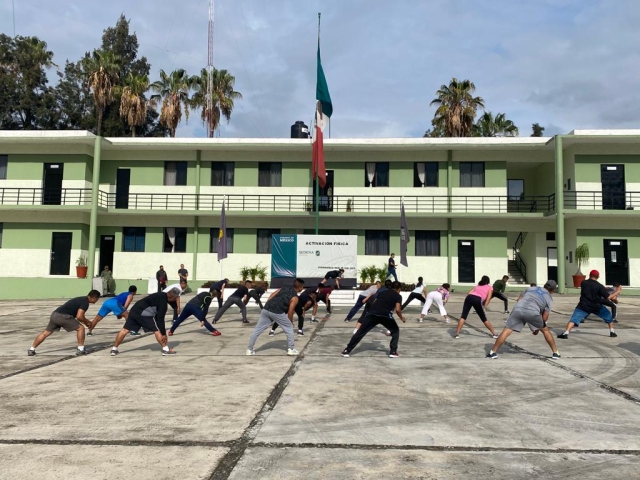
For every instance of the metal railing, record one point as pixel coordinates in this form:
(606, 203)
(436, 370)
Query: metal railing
(41, 196)
(584, 200)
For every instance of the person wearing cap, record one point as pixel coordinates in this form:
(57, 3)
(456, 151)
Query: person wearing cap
(532, 308)
(592, 293)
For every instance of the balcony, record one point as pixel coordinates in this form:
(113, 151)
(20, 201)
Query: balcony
(49, 196)
(583, 200)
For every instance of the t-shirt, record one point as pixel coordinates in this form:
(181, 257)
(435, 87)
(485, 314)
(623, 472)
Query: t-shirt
(72, 306)
(444, 292)
(202, 301)
(218, 285)
(418, 289)
(535, 300)
(591, 294)
(154, 305)
(258, 291)
(122, 297)
(322, 294)
(303, 299)
(369, 291)
(392, 263)
(385, 304)
(161, 276)
(499, 286)
(280, 302)
(240, 292)
(332, 274)
(171, 287)
(482, 291)
(183, 273)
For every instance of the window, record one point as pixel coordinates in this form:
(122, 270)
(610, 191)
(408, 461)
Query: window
(4, 159)
(264, 239)
(515, 190)
(175, 173)
(175, 240)
(472, 174)
(425, 174)
(222, 174)
(133, 239)
(551, 236)
(376, 242)
(376, 174)
(213, 240)
(270, 174)
(427, 243)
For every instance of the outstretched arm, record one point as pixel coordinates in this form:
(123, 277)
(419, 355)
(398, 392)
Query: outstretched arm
(399, 313)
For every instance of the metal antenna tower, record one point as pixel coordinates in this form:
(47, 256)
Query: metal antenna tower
(209, 113)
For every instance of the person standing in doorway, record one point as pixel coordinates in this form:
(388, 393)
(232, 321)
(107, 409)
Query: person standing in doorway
(334, 275)
(236, 298)
(108, 283)
(418, 293)
(477, 297)
(439, 297)
(499, 287)
(161, 277)
(391, 268)
(183, 273)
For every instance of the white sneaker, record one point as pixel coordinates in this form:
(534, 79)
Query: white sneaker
(447, 320)
(292, 352)
(419, 320)
(250, 352)
(495, 336)
(388, 333)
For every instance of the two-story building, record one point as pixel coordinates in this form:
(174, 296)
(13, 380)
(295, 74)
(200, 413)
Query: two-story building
(474, 206)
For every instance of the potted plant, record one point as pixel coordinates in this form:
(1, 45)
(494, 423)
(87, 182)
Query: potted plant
(262, 272)
(582, 257)
(349, 204)
(244, 273)
(81, 266)
(253, 273)
(309, 206)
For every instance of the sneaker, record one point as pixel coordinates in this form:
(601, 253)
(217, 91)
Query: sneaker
(615, 320)
(114, 353)
(419, 320)
(292, 352)
(493, 355)
(447, 320)
(81, 352)
(535, 332)
(300, 333)
(250, 352)
(456, 336)
(388, 333)
(245, 321)
(494, 336)
(613, 334)
(272, 333)
(31, 353)
(429, 312)
(506, 311)
(170, 333)
(555, 356)
(329, 311)
(313, 320)
(216, 333)
(347, 320)
(345, 353)
(393, 355)
(168, 352)
(563, 335)
(89, 333)
(134, 334)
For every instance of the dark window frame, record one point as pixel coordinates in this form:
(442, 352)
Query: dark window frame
(181, 240)
(181, 168)
(214, 235)
(270, 233)
(429, 176)
(471, 166)
(381, 178)
(264, 169)
(137, 233)
(4, 166)
(551, 236)
(222, 169)
(383, 236)
(432, 243)
(513, 197)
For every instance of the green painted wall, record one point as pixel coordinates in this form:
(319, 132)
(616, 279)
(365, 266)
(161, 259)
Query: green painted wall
(14, 288)
(23, 235)
(351, 174)
(245, 240)
(538, 180)
(594, 238)
(587, 167)
(145, 172)
(486, 244)
(495, 174)
(30, 167)
(296, 175)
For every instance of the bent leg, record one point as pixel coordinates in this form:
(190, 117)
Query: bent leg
(40, 338)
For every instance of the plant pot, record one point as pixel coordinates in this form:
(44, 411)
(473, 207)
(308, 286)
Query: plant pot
(81, 272)
(578, 279)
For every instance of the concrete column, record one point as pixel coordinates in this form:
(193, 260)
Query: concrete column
(449, 233)
(93, 219)
(559, 191)
(196, 230)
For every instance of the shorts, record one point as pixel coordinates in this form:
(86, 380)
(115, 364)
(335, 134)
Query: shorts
(579, 315)
(62, 320)
(148, 324)
(519, 319)
(111, 306)
(328, 277)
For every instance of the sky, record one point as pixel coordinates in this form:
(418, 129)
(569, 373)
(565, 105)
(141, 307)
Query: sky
(566, 64)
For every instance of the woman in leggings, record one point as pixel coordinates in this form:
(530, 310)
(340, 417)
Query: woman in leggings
(419, 292)
(477, 298)
(439, 297)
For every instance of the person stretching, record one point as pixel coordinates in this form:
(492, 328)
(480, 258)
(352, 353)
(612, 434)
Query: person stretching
(236, 298)
(362, 299)
(117, 305)
(612, 300)
(220, 286)
(369, 302)
(305, 302)
(499, 287)
(198, 306)
(323, 296)
(175, 305)
(476, 298)
(439, 297)
(419, 292)
(335, 275)
(256, 293)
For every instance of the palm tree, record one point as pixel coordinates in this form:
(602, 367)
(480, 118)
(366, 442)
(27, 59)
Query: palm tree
(498, 126)
(457, 108)
(222, 101)
(102, 70)
(537, 130)
(173, 90)
(133, 104)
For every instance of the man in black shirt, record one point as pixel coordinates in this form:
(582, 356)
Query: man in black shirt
(236, 298)
(391, 268)
(148, 314)
(161, 277)
(335, 275)
(306, 300)
(220, 286)
(592, 293)
(69, 316)
(183, 273)
(256, 293)
(198, 306)
(381, 312)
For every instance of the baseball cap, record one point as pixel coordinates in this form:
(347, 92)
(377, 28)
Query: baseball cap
(551, 284)
(594, 273)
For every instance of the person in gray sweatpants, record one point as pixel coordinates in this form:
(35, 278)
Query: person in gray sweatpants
(279, 309)
(236, 298)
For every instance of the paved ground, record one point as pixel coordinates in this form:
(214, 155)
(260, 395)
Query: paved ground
(441, 411)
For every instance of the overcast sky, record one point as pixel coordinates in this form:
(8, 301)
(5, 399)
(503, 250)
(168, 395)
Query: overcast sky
(566, 64)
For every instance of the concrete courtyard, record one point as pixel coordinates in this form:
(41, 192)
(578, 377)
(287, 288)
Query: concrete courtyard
(440, 411)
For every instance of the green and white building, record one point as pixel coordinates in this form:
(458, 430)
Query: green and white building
(474, 206)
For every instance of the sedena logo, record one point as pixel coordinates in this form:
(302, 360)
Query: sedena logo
(317, 253)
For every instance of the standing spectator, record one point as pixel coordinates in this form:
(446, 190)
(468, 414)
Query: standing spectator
(108, 284)
(161, 277)
(183, 273)
(391, 269)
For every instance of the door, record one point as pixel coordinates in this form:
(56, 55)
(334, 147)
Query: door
(466, 261)
(552, 263)
(325, 194)
(616, 262)
(123, 180)
(107, 247)
(52, 184)
(60, 253)
(613, 187)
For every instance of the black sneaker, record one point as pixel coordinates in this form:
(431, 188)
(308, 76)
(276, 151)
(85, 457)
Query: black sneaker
(81, 352)
(114, 353)
(31, 353)
(393, 355)
(135, 334)
(89, 333)
(300, 333)
(245, 321)
(168, 352)
(615, 320)
(493, 355)
(329, 311)
(613, 334)
(563, 335)
(555, 356)
(345, 353)
(506, 311)
(347, 320)
(272, 333)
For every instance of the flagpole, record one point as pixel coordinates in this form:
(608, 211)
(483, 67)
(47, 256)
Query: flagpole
(317, 181)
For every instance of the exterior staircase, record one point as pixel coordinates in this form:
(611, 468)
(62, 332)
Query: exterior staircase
(515, 276)
(517, 267)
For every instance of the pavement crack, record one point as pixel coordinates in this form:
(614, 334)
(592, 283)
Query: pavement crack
(118, 443)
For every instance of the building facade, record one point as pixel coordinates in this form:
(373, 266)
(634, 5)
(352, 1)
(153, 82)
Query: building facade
(474, 206)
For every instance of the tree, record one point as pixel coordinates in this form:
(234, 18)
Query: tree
(133, 104)
(173, 91)
(456, 108)
(490, 126)
(538, 131)
(103, 71)
(436, 130)
(73, 99)
(222, 101)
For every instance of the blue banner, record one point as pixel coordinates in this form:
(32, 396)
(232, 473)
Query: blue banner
(284, 253)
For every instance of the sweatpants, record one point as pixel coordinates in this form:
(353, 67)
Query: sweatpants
(356, 307)
(300, 312)
(475, 302)
(265, 321)
(502, 297)
(188, 310)
(434, 297)
(256, 297)
(411, 297)
(231, 301)
(370, 322)
(612, 306)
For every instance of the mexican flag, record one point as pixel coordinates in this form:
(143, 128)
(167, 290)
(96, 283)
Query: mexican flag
(324, 109)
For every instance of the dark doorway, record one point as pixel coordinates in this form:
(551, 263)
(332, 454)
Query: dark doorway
(616, 262)
(613, 187)
(325, 194)
(466, 261)
(52, 184)
(552, 263)
(123, 180)
(60, 253)
(107, 247)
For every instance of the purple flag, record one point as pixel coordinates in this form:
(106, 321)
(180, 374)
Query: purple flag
(404, 237)
(222, 236)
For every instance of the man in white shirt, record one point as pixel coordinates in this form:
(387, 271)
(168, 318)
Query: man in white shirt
(362, 298)
(182, 286)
